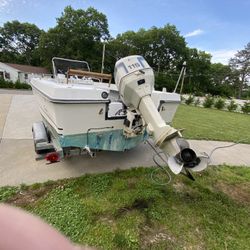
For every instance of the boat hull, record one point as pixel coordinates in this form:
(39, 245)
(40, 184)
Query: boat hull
(88, 119)
(76, 116)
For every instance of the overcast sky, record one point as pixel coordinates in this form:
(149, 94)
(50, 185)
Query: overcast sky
(220, 27)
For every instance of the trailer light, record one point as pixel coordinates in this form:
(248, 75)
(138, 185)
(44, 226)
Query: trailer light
(52, 157)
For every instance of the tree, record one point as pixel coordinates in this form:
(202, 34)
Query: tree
(168, 49)
(18, 42)
(221, 80)
(163, 48)
(121, 46)
(78, 35)
(198, 69)
(240, 64)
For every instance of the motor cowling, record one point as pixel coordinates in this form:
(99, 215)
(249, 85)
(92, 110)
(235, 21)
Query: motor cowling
(134, 79)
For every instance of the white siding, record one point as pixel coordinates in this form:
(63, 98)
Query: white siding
(22, 77)
(13, 72)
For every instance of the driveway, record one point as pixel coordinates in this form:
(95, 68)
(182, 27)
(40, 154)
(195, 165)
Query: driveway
(17, 156)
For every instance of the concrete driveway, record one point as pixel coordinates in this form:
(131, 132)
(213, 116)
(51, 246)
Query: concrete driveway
(17, 157)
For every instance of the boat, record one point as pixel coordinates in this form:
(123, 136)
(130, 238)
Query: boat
(83, 111)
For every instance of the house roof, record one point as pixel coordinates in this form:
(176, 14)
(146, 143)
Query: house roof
(28, 68)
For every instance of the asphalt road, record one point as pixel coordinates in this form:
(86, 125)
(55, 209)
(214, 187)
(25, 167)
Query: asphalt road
(18, 110)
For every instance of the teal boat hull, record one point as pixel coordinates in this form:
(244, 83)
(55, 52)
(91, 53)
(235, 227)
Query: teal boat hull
(112, 140)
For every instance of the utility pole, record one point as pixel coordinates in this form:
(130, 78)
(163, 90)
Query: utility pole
(103, 57)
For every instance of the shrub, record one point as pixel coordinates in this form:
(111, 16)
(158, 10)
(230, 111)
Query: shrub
(199, 93)
(219, 103)
(6, 84)
(246, 108)
(246, 95)
(190, 100)
(208, 102)
(197, 101)
(232, 106)
(20, 85)
(10, 85)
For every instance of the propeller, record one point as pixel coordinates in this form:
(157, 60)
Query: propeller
(186, 159)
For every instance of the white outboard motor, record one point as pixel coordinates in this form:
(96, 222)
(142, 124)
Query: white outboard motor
(135, 81)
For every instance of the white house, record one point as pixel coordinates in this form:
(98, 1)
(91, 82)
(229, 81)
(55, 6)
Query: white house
(23, 73)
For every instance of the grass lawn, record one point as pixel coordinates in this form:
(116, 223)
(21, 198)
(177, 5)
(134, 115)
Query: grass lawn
(211, 124)
(125, 210)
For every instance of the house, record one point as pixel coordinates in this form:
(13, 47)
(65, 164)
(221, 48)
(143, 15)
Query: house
(23, 73)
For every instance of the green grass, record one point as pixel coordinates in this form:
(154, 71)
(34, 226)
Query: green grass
(125, 210)
(211, 124)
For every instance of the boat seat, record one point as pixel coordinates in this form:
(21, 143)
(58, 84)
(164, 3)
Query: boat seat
(96, 75)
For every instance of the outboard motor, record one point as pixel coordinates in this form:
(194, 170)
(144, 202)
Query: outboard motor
(135, 81)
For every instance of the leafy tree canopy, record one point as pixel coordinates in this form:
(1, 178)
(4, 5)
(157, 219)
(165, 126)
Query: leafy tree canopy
(163, 48)
(78, 35)
(240, 65)
(18, 42)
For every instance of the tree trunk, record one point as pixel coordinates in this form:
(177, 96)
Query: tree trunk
(241, 85)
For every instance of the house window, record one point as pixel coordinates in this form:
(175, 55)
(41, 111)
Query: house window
(25, 76)
(1, 74)
(7, 75)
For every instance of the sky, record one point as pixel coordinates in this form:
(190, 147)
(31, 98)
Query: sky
(220, 27)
